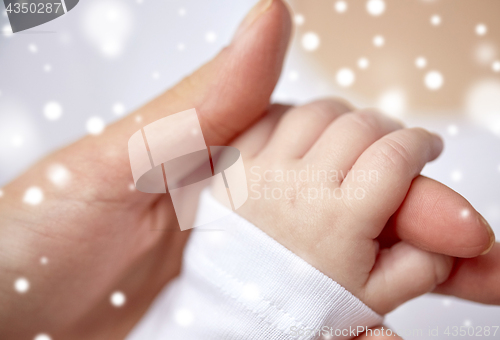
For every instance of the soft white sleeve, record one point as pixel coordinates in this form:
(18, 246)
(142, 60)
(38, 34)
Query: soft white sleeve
(239, 283)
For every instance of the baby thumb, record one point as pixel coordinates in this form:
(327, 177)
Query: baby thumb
(404, 272)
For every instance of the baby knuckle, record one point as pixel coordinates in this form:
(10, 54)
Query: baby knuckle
(366, 120)
(395, 154)
(324, 107)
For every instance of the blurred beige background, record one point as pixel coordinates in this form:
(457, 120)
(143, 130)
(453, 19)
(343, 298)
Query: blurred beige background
(427, 55)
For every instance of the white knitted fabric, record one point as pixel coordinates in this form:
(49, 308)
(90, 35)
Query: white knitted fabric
(239, 283)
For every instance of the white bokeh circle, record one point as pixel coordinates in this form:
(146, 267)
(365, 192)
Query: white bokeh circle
(52, 110)
(310, 41)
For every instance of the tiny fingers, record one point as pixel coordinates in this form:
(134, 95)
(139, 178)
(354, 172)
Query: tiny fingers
(382, 175)
(300, 127)
(402, 273)
(345, 139)
(252, 141)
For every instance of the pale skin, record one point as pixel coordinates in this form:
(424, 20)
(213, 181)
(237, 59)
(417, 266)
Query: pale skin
(99, 236)
(351, 239)
(338, 231)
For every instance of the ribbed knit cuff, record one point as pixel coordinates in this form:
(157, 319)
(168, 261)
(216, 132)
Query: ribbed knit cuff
(239, 283)
(282, 290)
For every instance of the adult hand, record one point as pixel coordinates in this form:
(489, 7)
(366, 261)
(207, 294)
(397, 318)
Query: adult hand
(99, 236)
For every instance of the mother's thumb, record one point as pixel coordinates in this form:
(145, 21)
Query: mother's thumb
(232, 90)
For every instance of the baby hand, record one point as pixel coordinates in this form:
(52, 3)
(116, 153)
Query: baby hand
(324, 183)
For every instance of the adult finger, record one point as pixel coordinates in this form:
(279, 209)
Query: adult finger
(229, 93)
(475, 279)
(435, 218)
(232, 90)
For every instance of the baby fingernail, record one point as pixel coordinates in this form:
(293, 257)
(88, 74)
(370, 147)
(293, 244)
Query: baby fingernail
(437, 139)
(259, 8)
(490, 232)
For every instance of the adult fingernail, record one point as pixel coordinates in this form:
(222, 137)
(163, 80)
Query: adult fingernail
(490, 232)
(260, 7)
